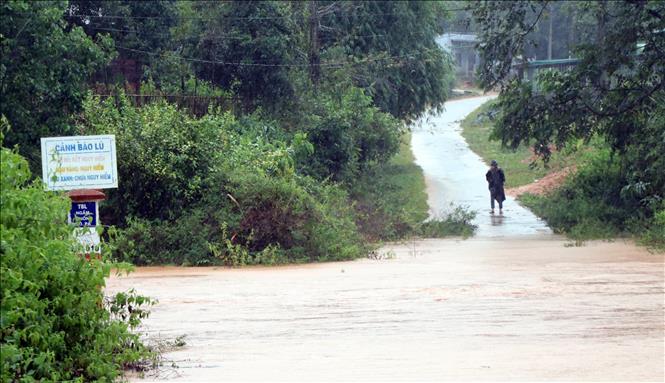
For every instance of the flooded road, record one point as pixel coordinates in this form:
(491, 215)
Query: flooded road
(479, 309)
(455, 174)
(513, 303)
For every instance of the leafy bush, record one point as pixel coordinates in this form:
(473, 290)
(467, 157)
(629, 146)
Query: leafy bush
(250, 218)
(588, 204)
(217, 190)
(55, 324)
(307, 220)
(253, 209)
(164, 155)
(390, 200)
(594, 204)
(654, 235)
(349, 135)
(456, 222)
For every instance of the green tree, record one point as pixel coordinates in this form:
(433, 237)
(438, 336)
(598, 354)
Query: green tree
(44, 66)
(349, 135)
(141, 31)
(164, 155)
(616, 90)
(247, 47)
(397, 60)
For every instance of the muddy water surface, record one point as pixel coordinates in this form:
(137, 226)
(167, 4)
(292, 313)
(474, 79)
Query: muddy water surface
(438, 310)
(514, 303)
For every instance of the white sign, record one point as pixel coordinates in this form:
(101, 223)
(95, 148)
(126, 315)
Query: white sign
(79, 162)
(89, 239)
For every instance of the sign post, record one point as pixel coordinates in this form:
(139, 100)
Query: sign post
(81, 164)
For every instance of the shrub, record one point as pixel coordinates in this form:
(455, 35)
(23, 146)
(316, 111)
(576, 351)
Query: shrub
(164, 155)
(654, 235)
(588, 204)
(596, 203)
(250, 218)
(456, 222)
(390, 200)
(349, 135)
(54, 322)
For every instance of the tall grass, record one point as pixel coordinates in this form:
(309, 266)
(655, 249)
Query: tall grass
(391, 203)
(591, 205)
(520, 165)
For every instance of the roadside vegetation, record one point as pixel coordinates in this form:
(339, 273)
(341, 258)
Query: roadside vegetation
(247, 133)
(587, 204)
(391, 203)
(57, 325)
(612, 99)
(521, 165)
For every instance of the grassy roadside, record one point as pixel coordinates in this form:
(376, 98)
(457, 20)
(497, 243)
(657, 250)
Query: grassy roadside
(391, 202)
(476, 129)
(587, 205)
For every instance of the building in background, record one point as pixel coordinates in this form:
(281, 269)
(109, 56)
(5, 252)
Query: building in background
(462, 46)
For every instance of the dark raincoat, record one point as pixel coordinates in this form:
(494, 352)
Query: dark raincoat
(496, 178)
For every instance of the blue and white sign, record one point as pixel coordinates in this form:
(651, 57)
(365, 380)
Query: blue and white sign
(85, 213)
(79, 162)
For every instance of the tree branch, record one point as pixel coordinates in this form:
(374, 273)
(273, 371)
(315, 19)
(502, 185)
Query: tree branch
(540, 14)
(620, 111)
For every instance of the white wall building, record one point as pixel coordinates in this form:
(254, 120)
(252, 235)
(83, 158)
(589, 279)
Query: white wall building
(462, 48)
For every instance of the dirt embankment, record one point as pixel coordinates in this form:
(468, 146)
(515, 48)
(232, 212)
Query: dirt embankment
(543, 185)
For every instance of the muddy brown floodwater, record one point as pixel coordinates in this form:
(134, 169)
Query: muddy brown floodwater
(437, 310)
(513, 303)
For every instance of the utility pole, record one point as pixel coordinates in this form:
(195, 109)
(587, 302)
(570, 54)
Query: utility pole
(549, 39)
(571, 38)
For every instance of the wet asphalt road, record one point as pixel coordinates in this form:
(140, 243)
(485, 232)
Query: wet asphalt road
(455, 174)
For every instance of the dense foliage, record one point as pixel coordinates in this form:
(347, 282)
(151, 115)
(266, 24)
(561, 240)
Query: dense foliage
(583, 210)
(44, 68)
(615, 91)
(270, 53)
(399, 63)
(56, 323)
(249, 33)
(215, 190)
(349, 135)
(165, 155)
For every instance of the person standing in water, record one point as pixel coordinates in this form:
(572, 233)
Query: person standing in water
(495, 178)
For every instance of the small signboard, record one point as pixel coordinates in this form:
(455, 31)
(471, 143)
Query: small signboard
(79, 162)
(89, 240)
(84, 213)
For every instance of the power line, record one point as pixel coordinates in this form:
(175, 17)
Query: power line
(208, 37)
(166, 34)
(157, 95)
(330, 64)
(82, 16)
(177, 17)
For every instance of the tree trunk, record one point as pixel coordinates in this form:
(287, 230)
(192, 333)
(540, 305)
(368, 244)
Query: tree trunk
(314, 58)
(600, 40)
